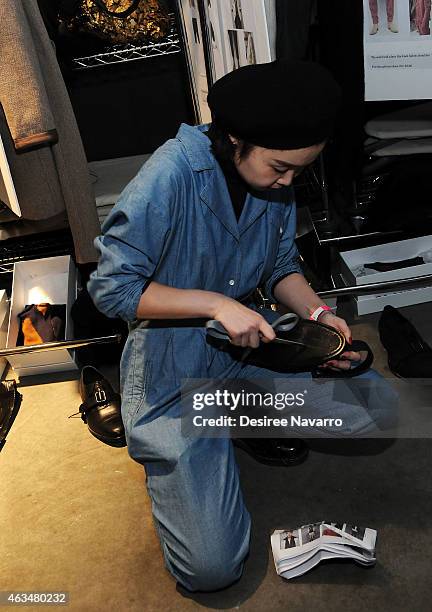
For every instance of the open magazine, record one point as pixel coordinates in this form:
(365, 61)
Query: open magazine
(296, 551)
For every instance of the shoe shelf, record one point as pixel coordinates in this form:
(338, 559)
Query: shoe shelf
(120, 54)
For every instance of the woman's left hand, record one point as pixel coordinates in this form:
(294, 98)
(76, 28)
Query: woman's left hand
(344, 361)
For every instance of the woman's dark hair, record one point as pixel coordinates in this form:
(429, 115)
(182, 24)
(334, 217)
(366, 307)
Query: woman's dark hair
(222, 147)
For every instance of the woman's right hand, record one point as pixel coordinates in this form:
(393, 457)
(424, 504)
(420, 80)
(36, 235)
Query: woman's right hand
(244, 326)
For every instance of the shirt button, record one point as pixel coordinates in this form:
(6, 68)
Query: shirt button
(281, 230)
(232, 282)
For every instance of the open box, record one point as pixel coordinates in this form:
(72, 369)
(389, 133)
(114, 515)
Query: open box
(52, 280)
(4, 322)
(352, 261)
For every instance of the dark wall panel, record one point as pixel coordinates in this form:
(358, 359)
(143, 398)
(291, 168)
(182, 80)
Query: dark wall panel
(132, 108)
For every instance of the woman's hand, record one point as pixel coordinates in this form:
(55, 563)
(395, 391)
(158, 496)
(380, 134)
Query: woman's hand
(344, 361)
(244, 326)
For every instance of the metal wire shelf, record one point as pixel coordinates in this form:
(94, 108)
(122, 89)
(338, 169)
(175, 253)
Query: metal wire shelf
(120, 54)
(34, 247)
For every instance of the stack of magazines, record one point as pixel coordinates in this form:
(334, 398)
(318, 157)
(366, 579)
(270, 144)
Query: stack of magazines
(296, 551)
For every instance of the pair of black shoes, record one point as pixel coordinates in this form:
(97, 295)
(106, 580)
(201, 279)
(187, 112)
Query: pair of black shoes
(409, 356)
(101, 411)
(101, 408)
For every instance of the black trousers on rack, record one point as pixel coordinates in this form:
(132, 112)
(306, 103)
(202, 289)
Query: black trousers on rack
(293, 19)
(341, 51)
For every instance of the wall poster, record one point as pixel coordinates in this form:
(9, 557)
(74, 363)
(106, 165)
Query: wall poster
(234, 33)
(244, 33)
(397, 49)
(194, 49)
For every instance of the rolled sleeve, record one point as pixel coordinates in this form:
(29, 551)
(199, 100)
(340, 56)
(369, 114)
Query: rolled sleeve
(134, 236)
(288, 258)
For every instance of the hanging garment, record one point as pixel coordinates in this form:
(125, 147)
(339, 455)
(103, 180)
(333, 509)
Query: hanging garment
(341, 27)
(293, 19)
(39, 130)
(41, 323)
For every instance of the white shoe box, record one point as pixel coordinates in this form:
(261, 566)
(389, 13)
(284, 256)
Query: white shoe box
(351, 261)
(52, 280)
(398, 299)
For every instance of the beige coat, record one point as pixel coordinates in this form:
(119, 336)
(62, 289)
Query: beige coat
(39, 130)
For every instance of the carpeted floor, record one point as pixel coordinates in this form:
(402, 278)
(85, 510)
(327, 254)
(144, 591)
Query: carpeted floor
(75, 515)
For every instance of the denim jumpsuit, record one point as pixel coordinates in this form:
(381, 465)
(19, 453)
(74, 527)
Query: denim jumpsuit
(175, 224)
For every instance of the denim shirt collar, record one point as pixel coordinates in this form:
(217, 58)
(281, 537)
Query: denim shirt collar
(197, 146)
(214, 192)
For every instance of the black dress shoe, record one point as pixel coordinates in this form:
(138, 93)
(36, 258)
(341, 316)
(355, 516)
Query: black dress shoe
(10, 402)
(408, 354)
(274, 451)
(101, 408)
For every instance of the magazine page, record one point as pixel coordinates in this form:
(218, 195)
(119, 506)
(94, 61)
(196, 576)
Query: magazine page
(334, 533)
(291, 562)
(354, 534)
(295, 542)
(299, 570)
(288, 572)
(294, 547)
(347, 551)
(362, 536)
(341, 551)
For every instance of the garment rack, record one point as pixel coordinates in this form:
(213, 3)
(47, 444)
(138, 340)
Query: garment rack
(62, 344)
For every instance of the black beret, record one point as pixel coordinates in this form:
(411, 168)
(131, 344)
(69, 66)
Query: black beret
(284, 104)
